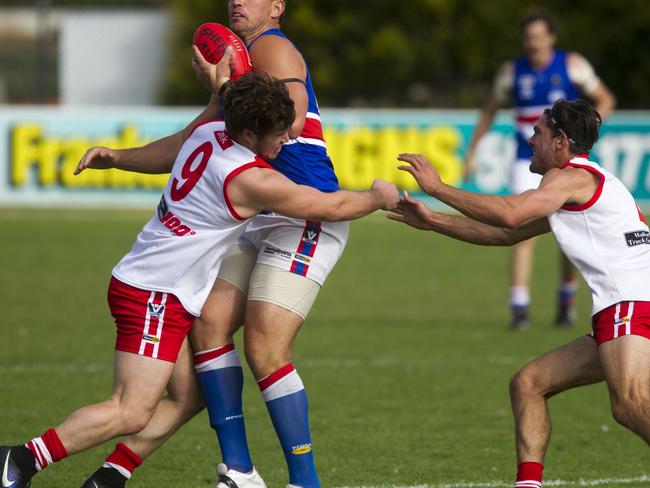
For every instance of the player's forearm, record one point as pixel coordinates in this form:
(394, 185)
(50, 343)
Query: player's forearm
(605, 104)
(349, 205)
(468, 230)
(482, 127)
(488, 209)
(154, 158)
(158, 156)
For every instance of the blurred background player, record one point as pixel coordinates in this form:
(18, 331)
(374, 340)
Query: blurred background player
(532, 83)
(219, 182)
(268, 281)
(597, 223)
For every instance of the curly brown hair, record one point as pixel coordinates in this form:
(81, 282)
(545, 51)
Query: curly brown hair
(259, 103)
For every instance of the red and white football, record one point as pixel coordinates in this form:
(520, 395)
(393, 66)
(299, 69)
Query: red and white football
(212, 39)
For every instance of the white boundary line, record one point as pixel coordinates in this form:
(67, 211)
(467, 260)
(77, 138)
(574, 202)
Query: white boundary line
(501, 484)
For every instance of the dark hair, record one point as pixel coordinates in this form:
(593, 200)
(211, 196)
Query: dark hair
(281, 19)
(536, 14)
(577, 120)
(259, 103)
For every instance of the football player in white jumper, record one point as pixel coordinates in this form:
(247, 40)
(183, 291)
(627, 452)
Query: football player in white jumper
(597, 224)
(220, 180)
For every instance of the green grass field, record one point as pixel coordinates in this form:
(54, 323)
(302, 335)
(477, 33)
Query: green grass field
(405, 358)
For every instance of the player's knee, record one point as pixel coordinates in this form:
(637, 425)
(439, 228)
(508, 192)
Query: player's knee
(134, 418)
(629, 404)
(265, 360)
(522, 383)
(210, 329)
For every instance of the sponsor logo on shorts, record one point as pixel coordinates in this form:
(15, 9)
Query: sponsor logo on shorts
(637, 238)
(150, 338)
(624, 320)
(302, 257)
(156, 309)
(301, 449)
(274, 251)
(310, 236)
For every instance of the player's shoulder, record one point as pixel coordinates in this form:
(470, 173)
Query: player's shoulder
(507, 67)
(271, 43)
(277, 56)
(570, 174)
(574, 58)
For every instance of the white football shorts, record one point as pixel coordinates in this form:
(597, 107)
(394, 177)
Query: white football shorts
(521, 178)
(283, 260)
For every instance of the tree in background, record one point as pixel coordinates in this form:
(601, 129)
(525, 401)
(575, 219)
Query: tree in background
(434, 53)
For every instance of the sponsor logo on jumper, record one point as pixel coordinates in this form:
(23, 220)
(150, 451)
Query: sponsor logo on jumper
(274, 251)
(171, 221)
(150, 338)
(223, 139)
(638, 237)
(301, 449)
(156, 309)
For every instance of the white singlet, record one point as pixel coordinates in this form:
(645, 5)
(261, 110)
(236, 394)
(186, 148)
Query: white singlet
(607, 239)
(180, 249)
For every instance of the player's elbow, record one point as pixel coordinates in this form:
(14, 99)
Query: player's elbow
(336, 213)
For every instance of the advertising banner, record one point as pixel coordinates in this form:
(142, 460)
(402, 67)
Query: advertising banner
(39, 148)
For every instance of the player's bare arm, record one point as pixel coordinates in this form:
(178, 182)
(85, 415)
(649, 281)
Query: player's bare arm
(277, 57)
(559, 186)
(265, 189)
(416, 214)
(499, 97)
(583, 75)
(158, 156)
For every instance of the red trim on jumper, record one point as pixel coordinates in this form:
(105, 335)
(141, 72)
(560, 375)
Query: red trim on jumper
(528, 119)
(312, 129)
(201, 124)
(201, 357)
(124, 457)
(641, 215)
(257, 163)
(594, 198)
(274, 377)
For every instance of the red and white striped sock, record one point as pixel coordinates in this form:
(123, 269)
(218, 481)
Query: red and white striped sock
(47, 449)
(217, 358)
(529, 475)
(123, 460)
(283, 382)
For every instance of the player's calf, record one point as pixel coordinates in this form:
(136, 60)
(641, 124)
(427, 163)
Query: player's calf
(630, 409)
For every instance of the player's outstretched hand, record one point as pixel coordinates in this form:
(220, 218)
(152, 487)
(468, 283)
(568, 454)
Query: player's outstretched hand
(421, 169)
(411, 212)
(211, 76)
(388, 192)
(98, 157)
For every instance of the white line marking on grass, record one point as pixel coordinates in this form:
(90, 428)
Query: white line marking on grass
(500, 484)
(41, 368)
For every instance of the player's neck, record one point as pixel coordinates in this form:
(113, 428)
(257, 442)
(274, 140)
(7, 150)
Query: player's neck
(541, 60)
(254, 34)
